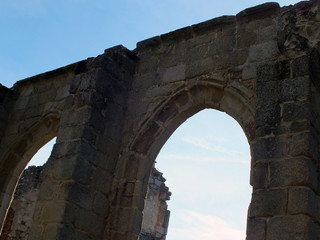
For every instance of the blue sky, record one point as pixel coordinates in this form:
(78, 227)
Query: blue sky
(206, 162)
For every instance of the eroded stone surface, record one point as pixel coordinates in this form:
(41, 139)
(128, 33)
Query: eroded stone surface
(113, 113)
(18, 221)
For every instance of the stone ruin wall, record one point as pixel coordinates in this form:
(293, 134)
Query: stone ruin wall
(155, 214)
(4, 108)
(21, 212)
(19, 219)
(112, 114)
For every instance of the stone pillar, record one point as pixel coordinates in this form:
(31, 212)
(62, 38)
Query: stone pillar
(5, 94)
(155, 213)
(285, 200)
(5, 105)
(75, 195)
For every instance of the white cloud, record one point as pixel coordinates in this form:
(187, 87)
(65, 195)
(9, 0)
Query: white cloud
(226, 151)
(204, 158)
(190, 225)
(198, 142)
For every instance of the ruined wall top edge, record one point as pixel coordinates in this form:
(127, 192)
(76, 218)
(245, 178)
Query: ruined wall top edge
(261, 11)
(269, 9)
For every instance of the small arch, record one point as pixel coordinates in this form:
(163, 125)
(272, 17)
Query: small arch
(138, 159)
(19, 154)
(205, 168)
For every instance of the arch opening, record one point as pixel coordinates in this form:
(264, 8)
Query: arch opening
(142, 149)
(19, 155)
(22, 207)
(206, 162)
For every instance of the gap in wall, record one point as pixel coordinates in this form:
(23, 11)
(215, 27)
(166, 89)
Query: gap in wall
(207, 166)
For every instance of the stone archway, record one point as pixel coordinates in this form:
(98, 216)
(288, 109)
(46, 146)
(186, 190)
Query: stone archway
(20, 153)
(155, 131)
(117, 110)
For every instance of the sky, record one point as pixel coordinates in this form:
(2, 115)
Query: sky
(206, 161)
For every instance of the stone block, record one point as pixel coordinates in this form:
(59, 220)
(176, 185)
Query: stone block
(3, 113)
(300, 66)
(200, 51)
(259, 175)
(268, 33)
(36, 231)
(268, 116)
(33, 100)
(215, 23)
(21, 103)
(314, 68)
(53, 212)
(69, 167)
(137, 221)
(303, 144)
(181, 34)
(101, 204)
(70, 133)
(48, 189)
(268, 203)
(48, 96)
(149, 43)
(131, 201)
(246, 38)
(51, 231)
(174, 73)
(182, 99)
(199, 67)
(269, 130)
(294, 89)
(81, 195)
(268, 94)
(300, 126)
(148, 137)
(90, 223)
(296, 111)
(249, 71)
(263, 51)
(266, 148)
(303, 200)
(293, 172)
(131, 170)
(273, 71)
(256, 229)
(116, 235)
(102, 180)
(207, 95)
(75, 116)
(32, 112)
(70, 233)
(259, 12)
(290, 227)
(122, 220)
(223, 45)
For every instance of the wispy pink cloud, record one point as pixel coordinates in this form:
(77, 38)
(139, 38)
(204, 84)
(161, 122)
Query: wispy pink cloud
(193, 225)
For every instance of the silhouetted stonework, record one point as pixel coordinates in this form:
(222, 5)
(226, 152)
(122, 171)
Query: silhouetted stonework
(19, 219)
(113, 113)
(22, 208)
(155, 213)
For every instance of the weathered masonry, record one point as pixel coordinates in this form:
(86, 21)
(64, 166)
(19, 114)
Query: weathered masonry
(19, 217)
(113, 113)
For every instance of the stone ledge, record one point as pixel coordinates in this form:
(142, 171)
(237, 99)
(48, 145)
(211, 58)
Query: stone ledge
(46, 75)
(4, 91)
(213, 23)
(120, 49)
(186, 32)
(260, 11)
